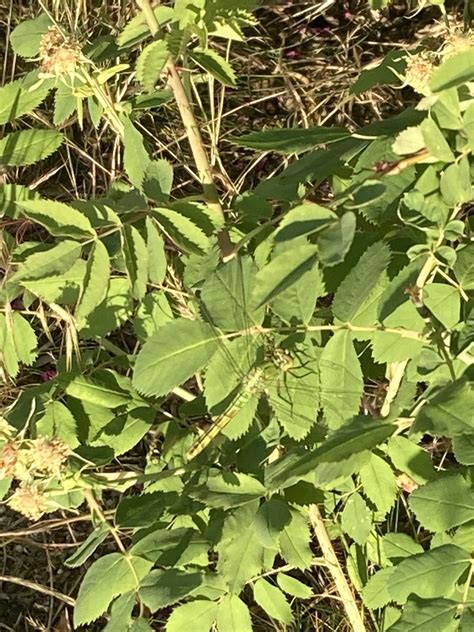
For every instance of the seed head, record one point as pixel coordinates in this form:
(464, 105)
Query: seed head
(10, 464)
(58, 55)
(29, 501)
(418, 72)
(457, 41)
(48, 455)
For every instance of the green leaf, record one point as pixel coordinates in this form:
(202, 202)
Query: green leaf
(388, 346)
(360, 434)
(454, 71)
(57, 259)
(158, 180)
(201, 613)
(108, 577)
(228, 490)
(57, 421)
(271, 518)
(150, 63)
(410, 458)
(272, 600)
(464, 266)
(463, 448)
(233, 615)
(136, 30)
(112, 312)
(59, 219)
(396, 546)
(444, 503)
(435, 142)
(28, 146)
(356, 519)
(156, 253)
(445, 412)
(341, 379)
(295, 542)
(296, 304)
(59, 288)
(136, 259)
(428, 574)
(293, 586)
(387, 72)
(379, 483)
(96, 281)
(153, 312)
(304, 220)
(455, 183)
(65, 103)
(190, 237)
(283, 271)
(25, 38)
(352, 294)
(17, 98)
(172, 355)
(426, 615)
(376, 592)
(175, 547)
(215, 65)
(164, 587)
(88, 547)
(335, 241)
(289, 141)
(444, 302)
(240, 551)
(227, 295)
(135, 157)
(101, 390)
(135, 512)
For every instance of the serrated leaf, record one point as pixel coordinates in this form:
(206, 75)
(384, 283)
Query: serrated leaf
(455, 183)
(227, 295)
(435, 142)
(158, 180)
(463, 448)
(96, 281)
(172, 355)
(59, 219)
(445, 412)
(182, 230)
(297, 303)
(102, 390)
(428, 574)
(293, 586)
(389, 346)
(108, 577)
(396, 546)
(88, 547)
(341, 379)
(376, 591)
(454, 71)
(240, 551)
(135, 157)
(28, 146)
(136, 259)
(356, 519)
(156, 253)
(379, 483)
(164, 587)
(201, 612)
(444, 503)
(464, 266)
(271, 518)
(137, 29)
(295, 542)
(283, 271)
(335, 241)
(65, 103)
(410, 458)
(352, 294)
(215, 65)
(233, 615)
(362, 433)
(304, 220)
(17, 98)
(426, 615)
(57, 421)
(444, 302)
(25, 38)
(228, 490)
(112, 312)
(57, 259)
(290, 141)
(272, 600)
(175, 547)
(153, 312)
(151, 62)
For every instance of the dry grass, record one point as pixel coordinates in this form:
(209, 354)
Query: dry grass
(295, 69)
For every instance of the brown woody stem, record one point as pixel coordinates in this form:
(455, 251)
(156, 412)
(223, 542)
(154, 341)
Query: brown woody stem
(196, 143)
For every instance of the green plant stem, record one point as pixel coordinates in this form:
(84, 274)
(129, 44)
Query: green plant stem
(193, 134)
(334, 568)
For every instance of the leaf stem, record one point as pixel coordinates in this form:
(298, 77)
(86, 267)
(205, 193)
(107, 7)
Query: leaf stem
(342, 586)
(193, 134)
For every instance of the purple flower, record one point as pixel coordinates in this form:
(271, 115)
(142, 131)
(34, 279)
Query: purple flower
(48, 375)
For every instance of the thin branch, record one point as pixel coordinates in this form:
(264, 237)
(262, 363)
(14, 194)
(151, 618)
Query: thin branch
(193, 134)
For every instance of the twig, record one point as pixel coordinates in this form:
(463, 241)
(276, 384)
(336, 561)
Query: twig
(334, 568)
(39, 588)
(193, 134)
